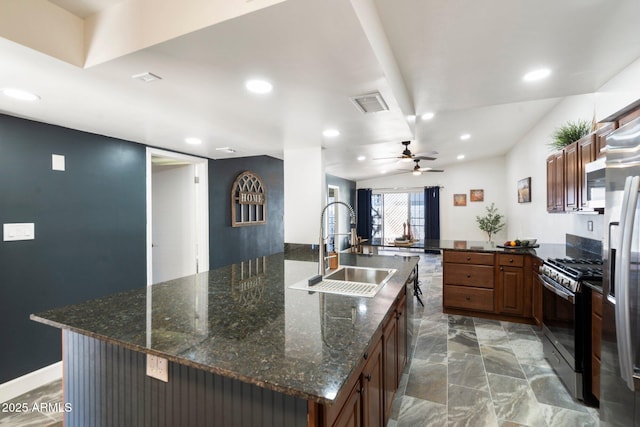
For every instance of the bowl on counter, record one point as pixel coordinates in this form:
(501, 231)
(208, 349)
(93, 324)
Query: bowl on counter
(528, 241)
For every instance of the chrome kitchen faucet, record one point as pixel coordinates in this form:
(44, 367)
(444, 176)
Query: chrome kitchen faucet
(354, 240)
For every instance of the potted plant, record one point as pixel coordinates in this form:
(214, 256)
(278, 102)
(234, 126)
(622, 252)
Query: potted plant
(492, 222)
(569, 133)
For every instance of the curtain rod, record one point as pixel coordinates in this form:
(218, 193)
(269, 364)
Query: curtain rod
(405, 188)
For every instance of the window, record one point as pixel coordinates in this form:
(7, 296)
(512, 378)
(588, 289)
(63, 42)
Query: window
(395, 214)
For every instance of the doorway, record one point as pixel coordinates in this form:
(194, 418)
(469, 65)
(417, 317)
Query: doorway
(177, 215)
(333, 226)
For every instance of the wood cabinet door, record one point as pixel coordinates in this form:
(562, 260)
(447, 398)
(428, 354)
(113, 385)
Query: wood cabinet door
(351, 413)
(601, 138)
(402, 336)
(551, 169)
(537, 298)
(571, 177)
(555, 182)
(586, 154)
(373, 389)
(511, 290)
(390, 359)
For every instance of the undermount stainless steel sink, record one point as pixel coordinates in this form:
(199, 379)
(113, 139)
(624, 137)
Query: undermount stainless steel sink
(374, 276)
(353, 281)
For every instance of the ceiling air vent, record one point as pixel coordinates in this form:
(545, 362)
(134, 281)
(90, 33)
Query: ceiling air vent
(370, 103)
(146, 77)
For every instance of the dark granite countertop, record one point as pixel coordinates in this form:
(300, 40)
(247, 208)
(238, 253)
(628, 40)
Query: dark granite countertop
(242, 321)
(543, 251)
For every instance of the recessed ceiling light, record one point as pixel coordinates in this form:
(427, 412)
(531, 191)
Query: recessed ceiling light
(193, 141)
(20, 94)
(226, 150)
(383, 171)
(361, 158)
(258, 86)
(535, 75)
(460, 157)
(331, 133)
(411, 118)
(465, 136)
(427, 116)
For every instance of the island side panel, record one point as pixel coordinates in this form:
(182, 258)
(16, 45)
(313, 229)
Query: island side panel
(107, 385)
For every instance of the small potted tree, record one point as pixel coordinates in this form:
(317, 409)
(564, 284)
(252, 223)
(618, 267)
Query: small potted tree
(492, 222)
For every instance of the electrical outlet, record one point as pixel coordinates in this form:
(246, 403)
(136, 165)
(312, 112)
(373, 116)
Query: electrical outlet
(158, 368)
(590, 225)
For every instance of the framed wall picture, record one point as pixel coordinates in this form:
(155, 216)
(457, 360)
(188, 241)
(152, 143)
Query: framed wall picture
(476, 195)
(524, 190)
(459, 200)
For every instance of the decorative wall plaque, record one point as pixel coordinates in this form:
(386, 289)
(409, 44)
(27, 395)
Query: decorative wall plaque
(248, 200)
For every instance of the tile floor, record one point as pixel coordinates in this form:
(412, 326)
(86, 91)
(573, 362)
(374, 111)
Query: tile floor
(474, 372)
(465, 372)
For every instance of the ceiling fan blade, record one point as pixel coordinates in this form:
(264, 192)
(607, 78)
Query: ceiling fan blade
(428, 153)
(386, 158)
(424, 158)
(433, 170)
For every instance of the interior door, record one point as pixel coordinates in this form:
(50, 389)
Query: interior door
(174, 206)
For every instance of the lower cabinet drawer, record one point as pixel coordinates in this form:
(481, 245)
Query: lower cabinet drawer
(479, 276)
(468, 298)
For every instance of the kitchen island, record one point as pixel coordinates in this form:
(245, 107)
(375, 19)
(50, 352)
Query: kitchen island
(242, 348)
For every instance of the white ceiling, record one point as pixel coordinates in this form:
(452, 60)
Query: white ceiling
(463, 60)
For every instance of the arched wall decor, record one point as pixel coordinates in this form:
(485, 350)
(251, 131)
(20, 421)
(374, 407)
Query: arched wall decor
(248, 200)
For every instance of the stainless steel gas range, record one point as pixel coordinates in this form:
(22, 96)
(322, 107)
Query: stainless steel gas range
(565, 318)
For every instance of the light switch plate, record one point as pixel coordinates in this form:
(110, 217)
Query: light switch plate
(57, 162)
(18, 231)
(158, 368)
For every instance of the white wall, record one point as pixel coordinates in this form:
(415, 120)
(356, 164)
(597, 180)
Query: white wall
(458, 222)
(304, 194)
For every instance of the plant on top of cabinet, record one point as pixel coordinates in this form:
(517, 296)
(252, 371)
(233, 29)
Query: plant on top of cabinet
(492, 222)
(569, 133)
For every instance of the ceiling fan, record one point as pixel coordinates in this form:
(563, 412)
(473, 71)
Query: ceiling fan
(407, 155)
(417, 170)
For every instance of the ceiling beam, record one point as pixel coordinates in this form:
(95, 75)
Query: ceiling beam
(44, 27)
(369, 18)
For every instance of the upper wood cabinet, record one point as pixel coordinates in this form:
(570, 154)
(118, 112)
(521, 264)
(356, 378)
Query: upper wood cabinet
(566, 186)
(586, 154)
(555, 182)
(570, 188)
(601, 138)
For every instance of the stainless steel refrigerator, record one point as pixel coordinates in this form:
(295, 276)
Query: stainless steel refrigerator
(620, 353)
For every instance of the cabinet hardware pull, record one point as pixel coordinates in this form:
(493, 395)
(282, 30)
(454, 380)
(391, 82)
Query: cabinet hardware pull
(361, 391)
(468, 258)
(468, 276)
(501, 268)
(468, 298)
(368, 377)
(510, 259)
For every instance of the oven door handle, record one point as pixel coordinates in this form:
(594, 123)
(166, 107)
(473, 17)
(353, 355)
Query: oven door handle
(553, 288)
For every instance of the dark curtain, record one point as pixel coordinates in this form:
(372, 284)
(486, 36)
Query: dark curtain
(431, 215)
(364, 213)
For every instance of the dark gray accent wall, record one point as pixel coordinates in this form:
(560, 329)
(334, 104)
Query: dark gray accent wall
(234, 244)
(89, 231)
(109, 387)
